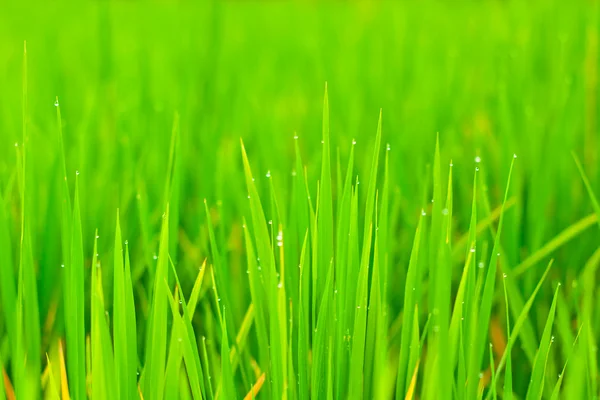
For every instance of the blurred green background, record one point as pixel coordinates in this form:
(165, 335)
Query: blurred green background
(493, 78)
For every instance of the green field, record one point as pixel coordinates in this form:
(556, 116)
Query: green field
(300, 200)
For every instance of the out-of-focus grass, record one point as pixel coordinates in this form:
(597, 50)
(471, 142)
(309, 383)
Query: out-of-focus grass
(152, 102)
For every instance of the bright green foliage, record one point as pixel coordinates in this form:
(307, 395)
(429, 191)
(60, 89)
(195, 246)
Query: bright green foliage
(344, 261)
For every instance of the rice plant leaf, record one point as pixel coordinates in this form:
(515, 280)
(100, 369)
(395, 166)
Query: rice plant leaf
(125, 341)
(74, 306)
(409, 316)
(487, 298)
(188, 350)
(229, 390)
(360, 322)
(508, 375)
(536, 383)
(103, 367)
(156, 342)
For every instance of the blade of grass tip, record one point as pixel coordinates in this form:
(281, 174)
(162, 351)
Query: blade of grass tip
(265, 253)
(227, 384)
(256, 388)
(52, 391)
(66, 211)
(409, 314)
(303, 324)
(190, 345)
(442, 299)
(588, 187)
(172, 186)
(467, 283)
(64, 383)
(520, 320)
(195, 296)
(125, 369)
(257, 293)
(487, 296)
(156, 345)
(436, 227)
(536, 383)
(508, 392)
(410, 393)
(74, 305)
(360, 322)
(130, 319)
(189, 351)
(103, 368)
(28, 342)
(528, 338)
(242, 337)
(325, 211)
(174, 358)
(557, 387)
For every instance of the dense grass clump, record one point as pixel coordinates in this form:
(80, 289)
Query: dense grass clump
(435, 236)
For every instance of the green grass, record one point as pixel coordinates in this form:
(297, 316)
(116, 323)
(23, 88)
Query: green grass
(241, 200)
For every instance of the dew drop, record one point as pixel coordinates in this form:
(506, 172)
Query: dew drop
(268, 174)
(56, 103)
(480, 265)
(504, 275)
(472, 249)
(353, 142)
(295, 137)
(322, 142)
(97, 237)
(445, 211)
(388, 148)
(451, 164)
(514, 156)
(155, 256)
(478, 159)
(62, 265)
(16, 144)
(76, 172)
(476, 168)
(423, 212)
(280, 285)
(126, 242)
(219, 299)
